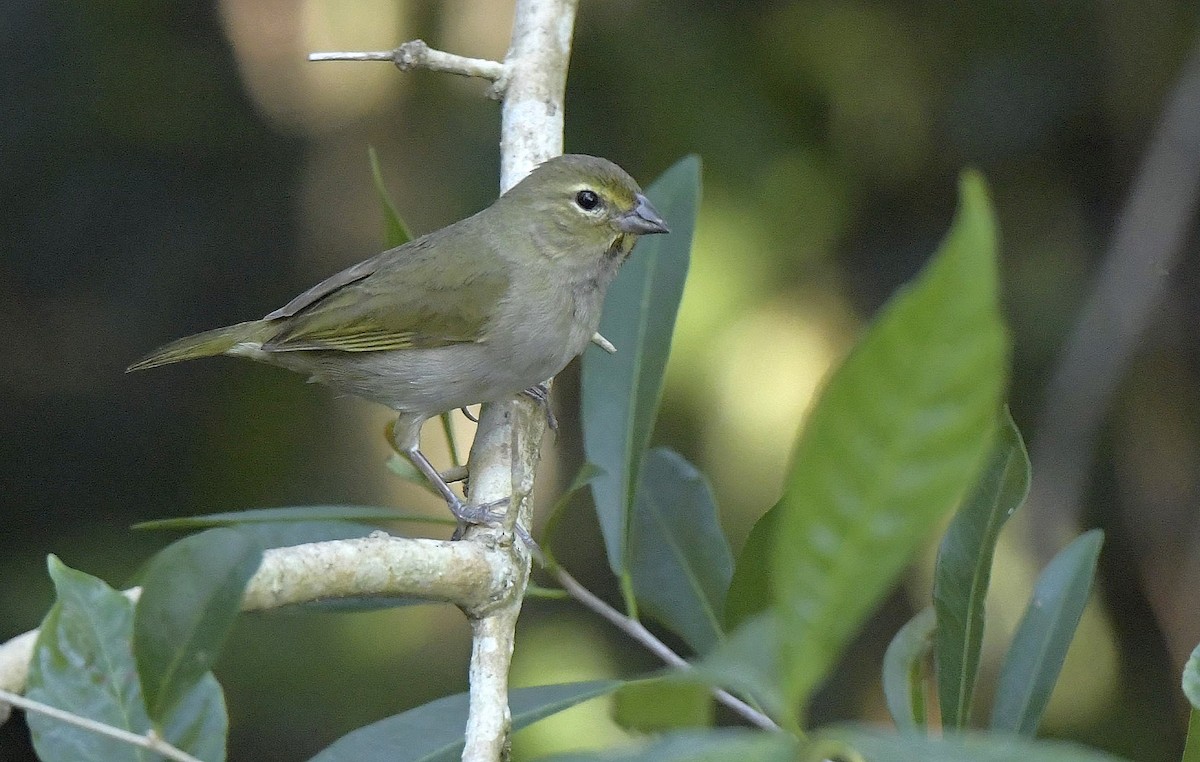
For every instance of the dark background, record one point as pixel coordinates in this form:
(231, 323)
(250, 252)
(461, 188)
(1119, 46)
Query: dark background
(170, 167)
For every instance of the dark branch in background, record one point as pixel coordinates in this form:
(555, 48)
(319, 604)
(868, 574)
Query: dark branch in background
(1146, 246)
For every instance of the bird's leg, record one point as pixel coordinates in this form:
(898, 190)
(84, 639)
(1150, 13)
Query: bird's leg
(541, 395)
(406, 432)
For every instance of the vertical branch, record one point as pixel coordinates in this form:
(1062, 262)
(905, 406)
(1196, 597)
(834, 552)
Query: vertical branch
(508, 440)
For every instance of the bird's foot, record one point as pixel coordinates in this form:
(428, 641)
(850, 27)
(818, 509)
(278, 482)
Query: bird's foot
(487, 515)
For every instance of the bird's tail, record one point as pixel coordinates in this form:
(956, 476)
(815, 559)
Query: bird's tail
(206, 344)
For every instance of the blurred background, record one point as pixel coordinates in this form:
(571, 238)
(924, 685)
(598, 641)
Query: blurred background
(171, 167)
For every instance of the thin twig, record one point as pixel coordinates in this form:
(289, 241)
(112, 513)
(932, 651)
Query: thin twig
(636, 630)
(148, 741)
(415, 54)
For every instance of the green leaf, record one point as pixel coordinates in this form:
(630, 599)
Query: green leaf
(191, 595)
(891, 447)
(856, 743)
(655, 706)
(1040, 644)
(583, 477)
(679, 558)
(698, 746)
(1191, 751)
(620, 393)
(395, 232)
(296, 513)
(904, 671)
(964, 569)
(83, 663)
(433, 732)
(1191, 678)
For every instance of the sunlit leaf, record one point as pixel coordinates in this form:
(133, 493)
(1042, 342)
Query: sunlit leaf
(1039, 647)
(892, 445)
(904, 671)
(964, 569)
(620, 393)
(679, 558)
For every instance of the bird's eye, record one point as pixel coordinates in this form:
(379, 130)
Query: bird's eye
(587, 200)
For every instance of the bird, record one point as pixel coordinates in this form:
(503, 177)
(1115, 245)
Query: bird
(479, 311)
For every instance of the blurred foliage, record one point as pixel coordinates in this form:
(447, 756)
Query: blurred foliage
(165, 168)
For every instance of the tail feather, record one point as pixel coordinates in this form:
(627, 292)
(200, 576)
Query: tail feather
(207, 344)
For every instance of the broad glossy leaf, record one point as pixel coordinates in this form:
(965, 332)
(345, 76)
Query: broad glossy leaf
(191, 594)
(620, 393)
(433, 732)
(1039, 647)
(720, 745)
(296, 513)
(856, 743)
(964, 569)
(678, 555)
(891, 446)
(904, 671)
(83, 663)
(1191, 678)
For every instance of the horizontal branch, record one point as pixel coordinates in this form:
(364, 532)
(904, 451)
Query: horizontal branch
(415, 54)
(467, 574)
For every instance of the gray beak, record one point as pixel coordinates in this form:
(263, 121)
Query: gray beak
(644, 219)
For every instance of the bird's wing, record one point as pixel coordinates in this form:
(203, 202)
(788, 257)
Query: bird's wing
(431, 292)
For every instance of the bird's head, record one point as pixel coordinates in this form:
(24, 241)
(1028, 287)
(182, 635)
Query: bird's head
(587, 203)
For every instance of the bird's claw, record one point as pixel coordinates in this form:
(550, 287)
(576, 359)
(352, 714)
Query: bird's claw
(487, 515)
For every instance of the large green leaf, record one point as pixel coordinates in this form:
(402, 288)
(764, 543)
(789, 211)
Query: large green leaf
(190, 596)
(433, 732)
(83, 663)
(858, 743)
(698, 746)
(891, 447)
(1040, 644)
(964, 569)
(904, 671)
(679, 558)
(620, 393)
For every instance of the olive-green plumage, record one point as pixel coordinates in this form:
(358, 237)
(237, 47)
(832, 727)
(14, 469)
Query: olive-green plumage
(475, 312)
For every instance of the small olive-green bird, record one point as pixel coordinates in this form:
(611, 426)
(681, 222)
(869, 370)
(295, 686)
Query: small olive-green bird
(478, 311)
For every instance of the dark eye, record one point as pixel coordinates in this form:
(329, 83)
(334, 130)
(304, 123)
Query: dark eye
(587, 200)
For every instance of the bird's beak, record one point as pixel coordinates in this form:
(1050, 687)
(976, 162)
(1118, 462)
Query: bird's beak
(644, 219)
